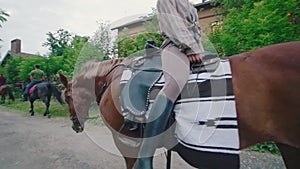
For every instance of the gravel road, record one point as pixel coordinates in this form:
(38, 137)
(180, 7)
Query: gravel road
(40, 143)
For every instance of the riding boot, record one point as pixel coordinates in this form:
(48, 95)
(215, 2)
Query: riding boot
(158, 117)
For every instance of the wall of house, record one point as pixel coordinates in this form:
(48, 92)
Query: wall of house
(208, 18)
(135, 29)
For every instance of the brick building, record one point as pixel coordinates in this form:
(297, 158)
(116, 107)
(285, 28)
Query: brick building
(208, 19)
(15, 51)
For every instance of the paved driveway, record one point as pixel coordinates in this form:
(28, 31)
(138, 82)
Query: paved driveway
(40, 143)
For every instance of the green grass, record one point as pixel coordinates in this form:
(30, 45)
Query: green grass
(56, 109)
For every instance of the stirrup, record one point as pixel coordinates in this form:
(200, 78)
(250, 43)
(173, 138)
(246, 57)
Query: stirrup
(132, 121)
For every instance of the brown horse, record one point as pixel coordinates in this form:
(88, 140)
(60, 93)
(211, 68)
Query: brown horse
(266, 85)
(6, 90)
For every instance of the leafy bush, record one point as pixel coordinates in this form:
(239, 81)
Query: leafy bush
(128, 46)
(266, 147)
(252, 25)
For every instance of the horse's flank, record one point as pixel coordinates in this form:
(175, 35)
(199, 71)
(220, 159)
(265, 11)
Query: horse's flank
(266, 86)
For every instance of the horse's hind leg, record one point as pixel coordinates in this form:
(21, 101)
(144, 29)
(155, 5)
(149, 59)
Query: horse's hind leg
(47, 103)
(47, 111)
(290, 155)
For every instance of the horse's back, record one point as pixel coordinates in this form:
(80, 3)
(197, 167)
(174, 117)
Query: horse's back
(43, 85)
(40, 90)
(266, 85)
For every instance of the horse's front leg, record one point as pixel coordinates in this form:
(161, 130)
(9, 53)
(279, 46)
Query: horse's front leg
(129, 153)
(31, 108)
(2, 99)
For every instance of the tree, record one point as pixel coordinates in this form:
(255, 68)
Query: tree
(58, 41)
(152, 25)
(71, 54)
(102, 39)
(226, 5)
(13, 70)
(252, 24)
(3, 18)
(27, 65)
(134, 46)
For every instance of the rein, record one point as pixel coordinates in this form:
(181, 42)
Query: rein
(105, 86)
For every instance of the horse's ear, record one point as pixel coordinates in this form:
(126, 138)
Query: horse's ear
(63, 80)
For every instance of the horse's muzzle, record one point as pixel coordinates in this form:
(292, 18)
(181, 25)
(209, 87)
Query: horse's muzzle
(77, 126)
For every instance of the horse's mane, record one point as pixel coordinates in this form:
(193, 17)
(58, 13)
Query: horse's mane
(92, 69)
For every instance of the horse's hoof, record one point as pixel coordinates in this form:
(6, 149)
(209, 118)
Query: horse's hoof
(49, 116)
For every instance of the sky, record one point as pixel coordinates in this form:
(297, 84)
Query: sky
(31, 20)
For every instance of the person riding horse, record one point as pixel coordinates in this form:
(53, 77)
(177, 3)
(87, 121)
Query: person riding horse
(178, 22)
(36, 76)
(2, 79)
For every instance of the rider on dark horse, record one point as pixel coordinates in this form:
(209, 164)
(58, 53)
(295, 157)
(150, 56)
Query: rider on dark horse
(36, 76)
(2, 79)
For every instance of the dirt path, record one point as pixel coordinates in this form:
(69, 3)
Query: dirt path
(40, 143)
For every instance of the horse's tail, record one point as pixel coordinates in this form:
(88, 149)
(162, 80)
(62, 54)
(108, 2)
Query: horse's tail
(57, 94)
(10, 94)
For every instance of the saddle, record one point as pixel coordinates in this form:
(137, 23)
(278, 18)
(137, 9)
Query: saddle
(145, 72)
(32, 88)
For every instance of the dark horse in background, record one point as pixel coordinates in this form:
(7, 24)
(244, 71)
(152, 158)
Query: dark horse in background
(266, 85)
(44, 91)
(6, 90)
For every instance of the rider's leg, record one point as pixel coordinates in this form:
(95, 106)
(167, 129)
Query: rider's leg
(175, 66)
(26, 91)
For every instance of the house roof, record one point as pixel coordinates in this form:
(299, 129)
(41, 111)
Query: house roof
(127, 21)
(22, 54)
(202, 4)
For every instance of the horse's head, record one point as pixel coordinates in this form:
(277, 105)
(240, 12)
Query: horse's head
(78, 96)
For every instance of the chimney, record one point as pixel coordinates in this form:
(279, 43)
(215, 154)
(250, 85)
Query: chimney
(16, 46)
